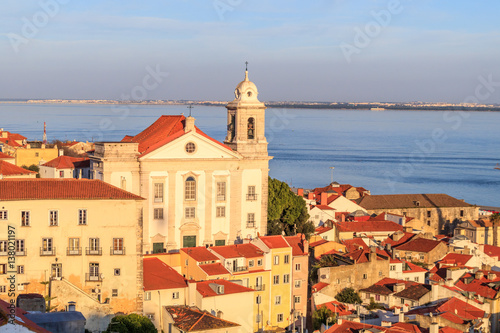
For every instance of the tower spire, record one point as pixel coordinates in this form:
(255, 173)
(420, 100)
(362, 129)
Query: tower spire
(44, 140)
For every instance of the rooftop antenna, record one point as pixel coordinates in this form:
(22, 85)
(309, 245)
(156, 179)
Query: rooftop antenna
(190, 107)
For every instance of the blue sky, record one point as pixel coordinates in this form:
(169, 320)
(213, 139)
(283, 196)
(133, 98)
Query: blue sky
(418, 51)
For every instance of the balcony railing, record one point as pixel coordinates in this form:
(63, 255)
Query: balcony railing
(93, 251)
(74, 251)
(250, 224)
(117, 252)
(260, 287)
(221, 197)
(240, 269)
(251, 197)
(47, 251)
(93, 277)
(21, 253)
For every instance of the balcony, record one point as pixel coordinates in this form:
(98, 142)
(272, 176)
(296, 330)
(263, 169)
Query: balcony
(74, 251)
(250, 224)
(93, 251)
(47, 251)
(240, 269)
(117, 251)
(260, 287)
(251, 197)
(93, 277)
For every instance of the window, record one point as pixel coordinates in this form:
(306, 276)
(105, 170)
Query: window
(25, 218)
(118, 246)
(296, 299)
(190, 189)
(94, 248)
(190, 212)
(380, 273)
(220, 212)
(158, 192)
(251, 196)
(393, 267)
(3, 268)
(377, 297)
(220, 242)
(158, 213)
(114, 292)
(338, 281)
(20, 269)
(276, 279)
(251, 263)
(221, 191)
(74, 246)
(175, 295)
(151, 316)
(428, 222)
(416, 278)
(428, 213)
(287, 258)
(402, 301)
(365, 276)
(190, 147)
(3, 248)
(422, 257)
(258, 299)
(56, 270)
(407, 279)
(94, 271)
(3, 215)
(3, 289)
(117, 271)
(82, 217)
(276, 260)
(20, 247)
(53, 220)
(286, 278)
(251, 126)
(259, 262)
(251, 220)
(147, 296)
(61, 174)
(461, 213)
(277, 300)
(297, 267)
(297, 283)
(47, 248)
(280, 317)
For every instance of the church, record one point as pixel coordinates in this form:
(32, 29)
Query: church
(198, 191)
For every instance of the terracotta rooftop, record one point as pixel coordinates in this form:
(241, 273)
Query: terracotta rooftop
(356, 327)
(395, 201)
(336, 307)
(22, 324)
(354, 244)
(492, 251)
(203, 287)
(368, 226)
(394, 241)
(9, 169)
(164, 130)
(158, 275)
(414, 292)
(455, 309)
(418, 245)
(297, 243)
(274, 242)
(63, 162)
(323, 207)
(192, 319)
(214, 269)
(5, 156)
(318, 286)
(455, 259)
(238, 251)
(62, 189)
(482, 286)
(411, 267)
(200, 254)
(317, 243)
(321, 230)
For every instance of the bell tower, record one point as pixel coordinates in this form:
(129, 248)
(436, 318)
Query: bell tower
(246, 121)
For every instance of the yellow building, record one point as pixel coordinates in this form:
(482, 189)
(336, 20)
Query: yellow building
(199, 191)
(74, 240)
(29, 156)
(478, 231)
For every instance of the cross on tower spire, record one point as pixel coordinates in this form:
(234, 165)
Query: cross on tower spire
(246, 65)
(190, 107)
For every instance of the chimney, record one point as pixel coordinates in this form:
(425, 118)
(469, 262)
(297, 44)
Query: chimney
(300, 192)
(399, 287)
(478, 275)
(401, 317)
(434, 292)
(397, 310)
(189, 124)
(342, 217)
(434, 328)
(61, 152)
(339, 321)
(373, 253)
(324, 198)
(491, 276)
(449, 282)
(397, 236)
(310, 196)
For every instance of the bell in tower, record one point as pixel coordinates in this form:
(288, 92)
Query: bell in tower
(246, 121)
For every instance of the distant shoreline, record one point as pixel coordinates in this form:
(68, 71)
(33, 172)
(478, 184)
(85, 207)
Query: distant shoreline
(378, 107)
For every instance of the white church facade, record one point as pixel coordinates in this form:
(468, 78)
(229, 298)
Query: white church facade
(198, 190)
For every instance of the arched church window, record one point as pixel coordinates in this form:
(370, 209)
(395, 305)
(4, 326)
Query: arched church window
(190, 189)
(251, 128)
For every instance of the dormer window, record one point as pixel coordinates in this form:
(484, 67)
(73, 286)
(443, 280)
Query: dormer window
(251, 128)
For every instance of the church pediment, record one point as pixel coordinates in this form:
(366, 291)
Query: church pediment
(192, 145)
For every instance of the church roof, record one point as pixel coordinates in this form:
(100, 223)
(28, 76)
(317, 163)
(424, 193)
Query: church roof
(164, 130)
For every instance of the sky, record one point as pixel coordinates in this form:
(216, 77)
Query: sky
(323, 50)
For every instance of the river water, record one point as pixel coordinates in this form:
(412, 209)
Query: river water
(387, 152)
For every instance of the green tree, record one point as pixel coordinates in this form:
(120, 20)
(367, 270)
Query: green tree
(327, 260)
(286, 212)
(321, 316)
(374, 305)
(348, 295)
(132, 323)
(33, 167)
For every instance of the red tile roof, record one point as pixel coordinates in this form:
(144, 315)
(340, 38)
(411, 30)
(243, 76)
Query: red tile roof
(419, 245)
(411, 267)
(203, 287)
(9, 169)
(297, 244)
(336, 307)
(200, 254)
(5, 156)
(405, 238)
(238, 251)
(20, 320)
(480, 286)
(354, 244)
(368, 226)
(63, 162)
(64, 189)
(351, 327)
(318, 286)
(320, 242)
(322, 229)
(449, 330)
(192, 319)
(452, 309)
(274, 242)
(323, 207)
(455, 259)
(158, 275)
(492, 251)
(214, 269)
(396, 201)
(164, 130)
